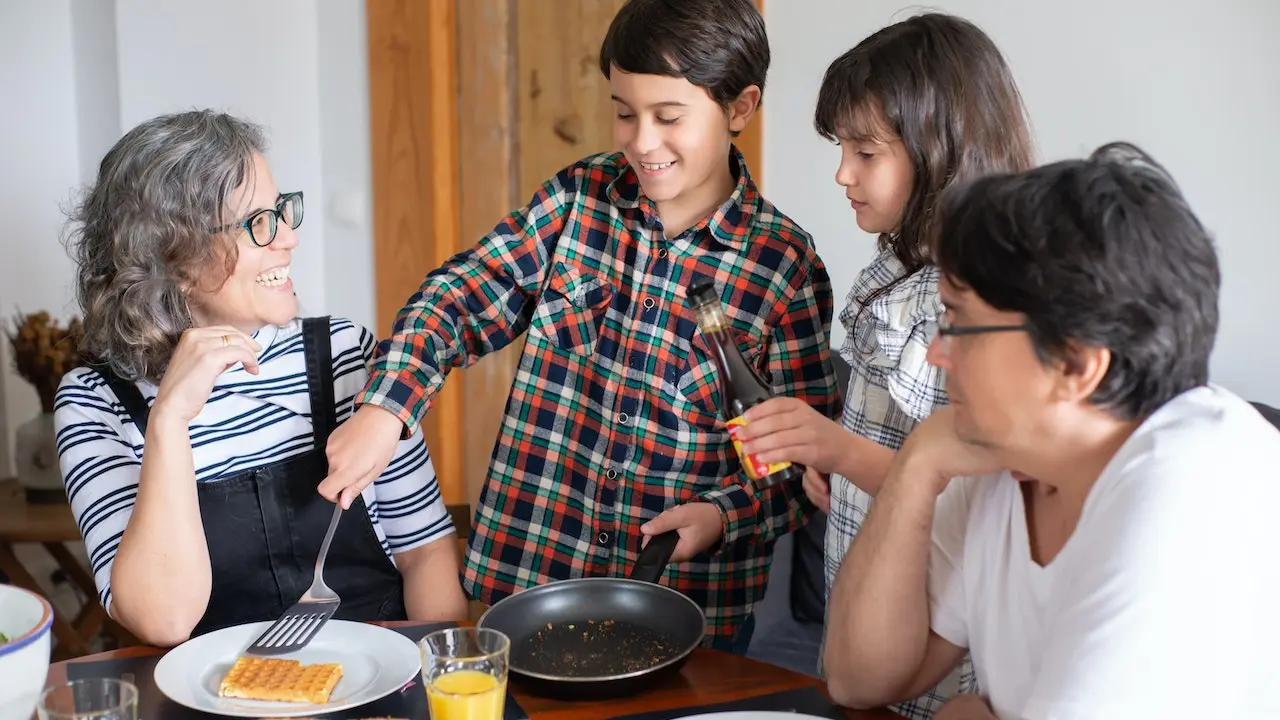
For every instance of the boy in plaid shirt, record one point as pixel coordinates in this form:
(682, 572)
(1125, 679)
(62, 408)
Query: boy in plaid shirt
(612, 431)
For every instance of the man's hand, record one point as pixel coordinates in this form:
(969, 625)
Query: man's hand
(965, 707)
(786, 429)
(936, 450)
(358, 451)
(698, 523)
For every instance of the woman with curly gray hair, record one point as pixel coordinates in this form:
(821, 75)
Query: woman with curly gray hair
(191, 447)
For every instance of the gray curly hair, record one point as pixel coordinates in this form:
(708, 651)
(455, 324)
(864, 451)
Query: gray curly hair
(142, 239)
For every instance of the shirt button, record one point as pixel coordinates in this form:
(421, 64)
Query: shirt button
(603, 538)
(611, 474)
(662, 252)
(623, 418)
(649, 303)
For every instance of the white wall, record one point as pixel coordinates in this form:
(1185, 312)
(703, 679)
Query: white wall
(76, 74)
(1195, 84)
(39, 144)
(344, 161)
(251, 59)
(93, 37)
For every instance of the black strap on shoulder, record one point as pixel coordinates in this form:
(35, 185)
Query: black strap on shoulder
(319, 356)
(129, 395)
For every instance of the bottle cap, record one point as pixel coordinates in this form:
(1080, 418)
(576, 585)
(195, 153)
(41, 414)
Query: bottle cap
(701, 288)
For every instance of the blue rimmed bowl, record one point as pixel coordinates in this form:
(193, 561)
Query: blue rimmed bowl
(25, 620)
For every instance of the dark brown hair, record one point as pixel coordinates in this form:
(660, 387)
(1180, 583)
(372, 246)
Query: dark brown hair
(1102, 252)
(718, 45)
(942, 86)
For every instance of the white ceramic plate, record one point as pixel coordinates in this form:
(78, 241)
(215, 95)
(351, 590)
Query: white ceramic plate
(375, 663)
(752, 715)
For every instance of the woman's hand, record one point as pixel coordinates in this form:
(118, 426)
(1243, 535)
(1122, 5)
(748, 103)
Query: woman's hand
(201, 356)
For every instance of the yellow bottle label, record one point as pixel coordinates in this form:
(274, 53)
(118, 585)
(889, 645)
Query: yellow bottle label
(753, 467)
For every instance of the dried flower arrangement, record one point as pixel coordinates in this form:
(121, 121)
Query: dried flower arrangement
(44, 351)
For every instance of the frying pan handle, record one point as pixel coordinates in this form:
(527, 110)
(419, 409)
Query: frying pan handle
(655, 556)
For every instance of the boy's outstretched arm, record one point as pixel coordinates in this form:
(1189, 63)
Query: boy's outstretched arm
(475, 304)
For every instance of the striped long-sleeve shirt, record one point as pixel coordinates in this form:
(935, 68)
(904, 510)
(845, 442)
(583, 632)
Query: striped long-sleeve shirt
(249, 421)
(614, 413)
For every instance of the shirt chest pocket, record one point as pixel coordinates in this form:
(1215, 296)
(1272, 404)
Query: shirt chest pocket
(697, 380)
(571, 310)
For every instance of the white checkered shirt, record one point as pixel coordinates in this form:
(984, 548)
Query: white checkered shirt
(891, 388)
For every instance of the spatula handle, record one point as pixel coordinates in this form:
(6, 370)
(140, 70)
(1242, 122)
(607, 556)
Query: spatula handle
(328, 538)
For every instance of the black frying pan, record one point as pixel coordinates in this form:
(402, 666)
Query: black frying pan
(593, 638)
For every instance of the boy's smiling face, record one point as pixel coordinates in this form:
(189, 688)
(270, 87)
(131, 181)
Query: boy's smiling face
(677, 138)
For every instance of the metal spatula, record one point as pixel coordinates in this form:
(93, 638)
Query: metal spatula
(300, 623)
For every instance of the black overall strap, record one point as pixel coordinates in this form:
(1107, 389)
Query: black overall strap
(319, 358)
(129, 395)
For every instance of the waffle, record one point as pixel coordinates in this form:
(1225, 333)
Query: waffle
(254, 678)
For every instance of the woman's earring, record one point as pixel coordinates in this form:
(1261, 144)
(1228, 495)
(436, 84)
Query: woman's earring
(186, 304)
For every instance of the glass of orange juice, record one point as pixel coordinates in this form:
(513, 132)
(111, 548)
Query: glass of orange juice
(465, 673)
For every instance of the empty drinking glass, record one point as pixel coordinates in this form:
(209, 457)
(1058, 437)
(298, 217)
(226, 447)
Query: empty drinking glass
(96, 699)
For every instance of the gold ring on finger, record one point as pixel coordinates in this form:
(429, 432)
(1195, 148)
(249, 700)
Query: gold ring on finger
(226, 340)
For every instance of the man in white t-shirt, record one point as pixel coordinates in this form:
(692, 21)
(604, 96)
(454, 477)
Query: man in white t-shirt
(1107, 546)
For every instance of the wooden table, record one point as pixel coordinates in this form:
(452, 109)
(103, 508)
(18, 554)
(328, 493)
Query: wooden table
(52, 526)
(709, 677)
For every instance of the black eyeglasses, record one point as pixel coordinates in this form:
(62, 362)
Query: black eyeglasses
(262, 225)
(942, 327)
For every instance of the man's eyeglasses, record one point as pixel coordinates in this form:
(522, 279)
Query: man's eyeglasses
(941, 327)
(262, 225)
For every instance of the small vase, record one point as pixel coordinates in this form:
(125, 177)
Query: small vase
(36, 454)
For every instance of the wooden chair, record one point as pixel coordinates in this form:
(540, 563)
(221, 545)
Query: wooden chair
(461, 515)
(53, 526)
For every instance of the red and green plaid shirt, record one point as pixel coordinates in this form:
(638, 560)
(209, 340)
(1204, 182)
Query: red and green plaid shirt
(612, 416)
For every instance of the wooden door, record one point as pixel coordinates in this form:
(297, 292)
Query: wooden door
(473, 104)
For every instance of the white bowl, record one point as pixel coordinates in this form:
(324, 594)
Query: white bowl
(25, 618)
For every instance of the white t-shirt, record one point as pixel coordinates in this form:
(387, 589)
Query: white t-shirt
(1164, 602)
